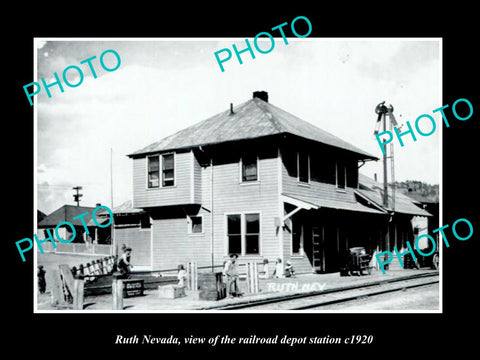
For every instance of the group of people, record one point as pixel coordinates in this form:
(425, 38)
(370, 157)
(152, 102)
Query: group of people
(230, 271)
(279, 271)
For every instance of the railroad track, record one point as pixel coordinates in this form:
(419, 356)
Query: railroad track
(317, 299)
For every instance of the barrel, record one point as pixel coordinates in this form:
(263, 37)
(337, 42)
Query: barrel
(210, 286)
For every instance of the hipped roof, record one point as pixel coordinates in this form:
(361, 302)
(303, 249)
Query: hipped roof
(252, 119)
(67, 213)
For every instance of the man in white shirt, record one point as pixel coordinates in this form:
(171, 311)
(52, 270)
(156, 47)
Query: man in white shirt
(231, 272)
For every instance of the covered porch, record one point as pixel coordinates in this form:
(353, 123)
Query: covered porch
(318, 233)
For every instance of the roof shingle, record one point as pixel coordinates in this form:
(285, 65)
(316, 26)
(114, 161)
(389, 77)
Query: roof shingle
(254, 118)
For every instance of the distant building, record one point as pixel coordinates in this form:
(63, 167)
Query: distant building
(40, 216)
(97, 241)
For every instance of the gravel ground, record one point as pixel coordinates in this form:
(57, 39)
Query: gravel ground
(424, 298)
(268, 288)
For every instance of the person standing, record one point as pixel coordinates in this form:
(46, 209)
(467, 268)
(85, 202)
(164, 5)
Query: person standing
(231, 272)
(278, 273)
(182, 275)
(42, 284)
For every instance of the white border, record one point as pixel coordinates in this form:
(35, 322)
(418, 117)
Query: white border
(291, 40)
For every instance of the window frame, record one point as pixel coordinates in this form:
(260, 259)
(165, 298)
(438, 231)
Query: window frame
(190, 225)
(160, 171)
(298, 167)
(344, 177)
(242, 181)
(148, 171)
(244, 248)
(243, 233)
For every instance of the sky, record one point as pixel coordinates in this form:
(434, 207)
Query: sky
(165, 85)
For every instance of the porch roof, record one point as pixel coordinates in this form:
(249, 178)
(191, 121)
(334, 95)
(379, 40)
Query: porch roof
(373, 190)
(316, 201)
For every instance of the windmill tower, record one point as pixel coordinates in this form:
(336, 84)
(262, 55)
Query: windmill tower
(77, 196)
(383, 112)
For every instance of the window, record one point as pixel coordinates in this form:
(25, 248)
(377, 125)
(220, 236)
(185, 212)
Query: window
(303, 167)
(168, 170)
(290, 160)
(341, 175)
(234, 234)
(252, 233)
(196, 224)
(249, 168)
(322, 168)
(153, 171)
(243, 233)
(352, 174)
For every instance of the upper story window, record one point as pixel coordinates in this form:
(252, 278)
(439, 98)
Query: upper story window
(303, 167)
(168, 171)
(153, 171)
(249, 168)
(341, 171)
(322, 168)
(167, 163)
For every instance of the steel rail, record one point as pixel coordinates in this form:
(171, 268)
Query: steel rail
(356, 297)
(259, 302)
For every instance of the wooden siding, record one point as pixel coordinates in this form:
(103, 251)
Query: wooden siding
(139, 241)
(232, 196)
(197, 181)
(292, 186)
(180, 193)
(172, 245)
(321, 185)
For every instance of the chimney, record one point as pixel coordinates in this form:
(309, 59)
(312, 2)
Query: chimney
(263, 95)
(231, 109)
(375, 177)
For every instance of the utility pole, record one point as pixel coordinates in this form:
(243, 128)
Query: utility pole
(77, 196)
(111, 177)
(385, 178)
(382, 110)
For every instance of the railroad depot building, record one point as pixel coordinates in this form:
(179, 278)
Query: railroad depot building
(260, 182)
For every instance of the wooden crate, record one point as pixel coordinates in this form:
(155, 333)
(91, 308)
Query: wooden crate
(210, 286)
(132, 287)
(171, 291)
